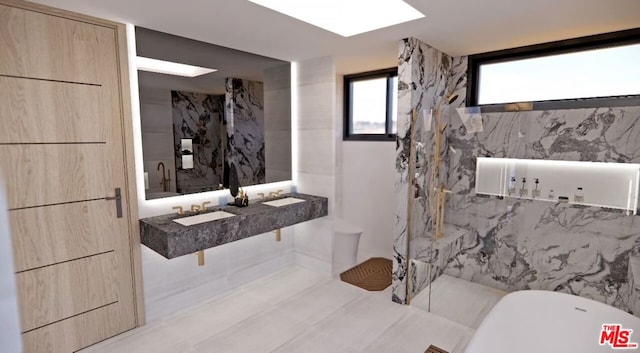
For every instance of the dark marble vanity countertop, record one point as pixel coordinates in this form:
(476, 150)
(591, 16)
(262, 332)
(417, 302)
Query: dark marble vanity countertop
(171, 239)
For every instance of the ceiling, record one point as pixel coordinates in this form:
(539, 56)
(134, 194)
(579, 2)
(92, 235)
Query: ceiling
(456, 27)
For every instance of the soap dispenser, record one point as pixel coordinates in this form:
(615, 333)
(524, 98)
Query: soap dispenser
(523, 191)
(512, 186)
(579, 196)
(536, 192)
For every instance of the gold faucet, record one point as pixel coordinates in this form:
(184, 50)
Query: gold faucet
(275, 193)
(261, 194)
(179, 208)
(165, 180)
(195, 208)
(204, 205)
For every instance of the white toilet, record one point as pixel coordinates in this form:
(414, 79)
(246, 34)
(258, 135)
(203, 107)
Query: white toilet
(346, 237)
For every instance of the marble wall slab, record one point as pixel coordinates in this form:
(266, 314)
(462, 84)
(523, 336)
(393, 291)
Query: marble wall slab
(634, 283)
(516, 244)
(437, 254)
(244, 111)
(527, 244)
(423, 75)
(199, 117)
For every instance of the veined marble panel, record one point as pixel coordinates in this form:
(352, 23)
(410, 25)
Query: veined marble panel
(533, 245)
(634, 283)
(245, 129)
(199, 117)
(438, 253)
(528, 244)
(423, 75)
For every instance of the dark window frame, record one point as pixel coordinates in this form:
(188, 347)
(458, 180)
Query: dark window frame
(599, 41)
(348, 79)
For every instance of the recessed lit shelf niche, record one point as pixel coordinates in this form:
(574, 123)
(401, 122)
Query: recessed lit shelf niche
(611, 185)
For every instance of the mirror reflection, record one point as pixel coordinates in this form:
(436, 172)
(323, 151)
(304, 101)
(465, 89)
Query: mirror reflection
(237, 113)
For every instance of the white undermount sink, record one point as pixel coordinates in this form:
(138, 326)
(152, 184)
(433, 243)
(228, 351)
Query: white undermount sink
(202, 218)
(283, 202)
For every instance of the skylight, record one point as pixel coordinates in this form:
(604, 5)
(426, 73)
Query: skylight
(345, 17)
(171, 68)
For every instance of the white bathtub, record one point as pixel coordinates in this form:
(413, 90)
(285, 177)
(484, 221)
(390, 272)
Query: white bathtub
(549, 322)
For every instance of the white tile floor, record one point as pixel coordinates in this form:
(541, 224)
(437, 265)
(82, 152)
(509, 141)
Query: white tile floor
(295, 310)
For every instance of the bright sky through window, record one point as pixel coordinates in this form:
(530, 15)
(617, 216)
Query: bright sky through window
(369, 106)
(586, 74)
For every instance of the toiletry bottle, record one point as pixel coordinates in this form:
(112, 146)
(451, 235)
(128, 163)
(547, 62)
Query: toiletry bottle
(579, 196)
(512, 186)
(523, 191)
(536, 192)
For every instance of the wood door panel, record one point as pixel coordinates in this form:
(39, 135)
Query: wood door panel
(67, 145)
(42, 46)
(54, 293)
(47, 111)
(47, 235)
(49, 174)
(74, 333)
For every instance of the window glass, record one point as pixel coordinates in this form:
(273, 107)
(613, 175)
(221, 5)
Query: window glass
(394, 105)
(369, 106)
(371, 100)
(613, 71)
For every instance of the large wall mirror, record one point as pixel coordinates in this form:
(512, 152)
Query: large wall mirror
(196, 129)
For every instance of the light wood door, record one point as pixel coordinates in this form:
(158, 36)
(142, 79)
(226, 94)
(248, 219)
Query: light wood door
(63, 147)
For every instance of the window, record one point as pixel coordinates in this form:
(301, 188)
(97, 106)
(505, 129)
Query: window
(599, 70)
(370, 100)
